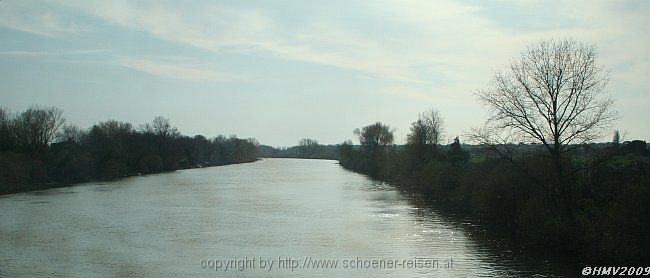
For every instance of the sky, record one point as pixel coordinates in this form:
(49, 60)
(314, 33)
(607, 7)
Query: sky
(280, 71)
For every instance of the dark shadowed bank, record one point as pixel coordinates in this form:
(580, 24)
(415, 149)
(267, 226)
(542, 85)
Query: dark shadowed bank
(604, 219)
(562, 192)
(108, 150)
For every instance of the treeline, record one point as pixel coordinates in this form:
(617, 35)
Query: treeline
(306, 148)
(37, 150)
(609, 188)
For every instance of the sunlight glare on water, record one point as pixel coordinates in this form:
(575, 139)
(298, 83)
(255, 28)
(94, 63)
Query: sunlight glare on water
(166, 224)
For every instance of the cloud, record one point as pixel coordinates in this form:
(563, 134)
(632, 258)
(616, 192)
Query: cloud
(409, 92)
(20, 16)
(187, 72)
(53, 53)
(443, 46)
(226, 29)
(434, 53)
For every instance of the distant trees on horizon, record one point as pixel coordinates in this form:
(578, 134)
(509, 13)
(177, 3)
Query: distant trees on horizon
(306, 148)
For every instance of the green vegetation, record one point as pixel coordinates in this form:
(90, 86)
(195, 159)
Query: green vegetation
(37, 151)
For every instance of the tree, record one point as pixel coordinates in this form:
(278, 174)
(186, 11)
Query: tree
(7, 130)
(374, 140)
(307, 146)
(37, 126)
(160, 126)
(108, 142)
(616, 141)
(554, 94)
(71, 133)
(456, 153)
(374, 137)
(346, 154)
(435, 127)
(423, 140)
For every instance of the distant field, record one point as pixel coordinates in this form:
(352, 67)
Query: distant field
(622, 159)
(581, 158)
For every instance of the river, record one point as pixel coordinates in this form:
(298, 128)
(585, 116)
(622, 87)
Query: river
(274, 217)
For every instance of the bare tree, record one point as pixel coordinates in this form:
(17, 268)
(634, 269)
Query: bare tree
(425, 136)
(307, 145)
(553, 94)
(38, 126)
(430, 127)
(308, 142)
(71, 133)
(7, 131)
(161, 126)
(435, 124)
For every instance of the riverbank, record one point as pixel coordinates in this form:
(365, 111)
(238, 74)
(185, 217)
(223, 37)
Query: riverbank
(38, 151)
(44, 186)
(606, 223)
(298, 157)
(307, 149)
(497, 240)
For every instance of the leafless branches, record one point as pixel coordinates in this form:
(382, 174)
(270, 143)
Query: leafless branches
(553, 94)
(37, 126)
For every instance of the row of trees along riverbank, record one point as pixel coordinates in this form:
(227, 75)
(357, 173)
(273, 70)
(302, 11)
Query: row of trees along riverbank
(307, 148)
(37, 150)
(563, 192)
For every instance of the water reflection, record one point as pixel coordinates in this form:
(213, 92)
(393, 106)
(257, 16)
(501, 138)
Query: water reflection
(164, 225)
(513, 258)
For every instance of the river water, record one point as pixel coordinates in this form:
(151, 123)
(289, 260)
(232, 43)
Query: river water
(274, 217)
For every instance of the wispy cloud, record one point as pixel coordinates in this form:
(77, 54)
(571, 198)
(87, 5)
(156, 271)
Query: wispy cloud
(53, 53)
(427, 53)
(187, 72)
(437, 40)
(21, 16)
(221, 29)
